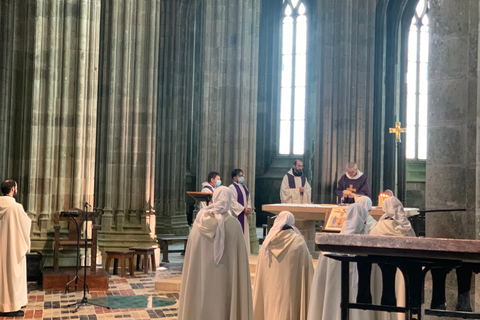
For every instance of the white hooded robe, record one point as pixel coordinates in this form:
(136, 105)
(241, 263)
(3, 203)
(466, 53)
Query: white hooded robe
(14, 245)
(216, 274)
(283, 278)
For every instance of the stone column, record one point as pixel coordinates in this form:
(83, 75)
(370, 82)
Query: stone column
(49, 96)
(345, 83)
(229, 104)
(175, 98)
(453, 165)
(125, 167)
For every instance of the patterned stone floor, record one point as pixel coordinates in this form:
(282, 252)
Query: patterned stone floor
(54, 305)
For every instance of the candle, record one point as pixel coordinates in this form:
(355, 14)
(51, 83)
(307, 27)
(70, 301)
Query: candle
(382, 196)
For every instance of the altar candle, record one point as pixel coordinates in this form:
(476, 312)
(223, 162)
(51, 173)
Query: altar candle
(382, 196)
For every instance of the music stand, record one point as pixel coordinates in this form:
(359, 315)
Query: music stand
(84, 300)
(201, 196)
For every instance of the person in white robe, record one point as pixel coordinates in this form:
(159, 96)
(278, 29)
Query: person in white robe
(389, 284)
(284, 273)
(367, 203)
(213, 181)
(216, 274)
(394, 222)
(15, 244)
(242, 205)
(325, 296)
(295, 187)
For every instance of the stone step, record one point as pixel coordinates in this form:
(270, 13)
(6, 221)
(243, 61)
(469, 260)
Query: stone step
(169, 285)
(173, 284)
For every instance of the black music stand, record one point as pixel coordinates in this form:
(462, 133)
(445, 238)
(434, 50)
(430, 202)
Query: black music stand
(84, 300)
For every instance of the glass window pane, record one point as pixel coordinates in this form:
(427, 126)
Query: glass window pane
(298, 137)
(301, 9)
(287, 35)
(284, 142)
(412, 43)
(411, 109)
(288, 11)
(300, 70)
(424, 44)
(422, 110)
(286, 104)
(425, 20)
(423, 78)
(410, 142)
(287, 70)
(299, 103)
(301, 35)
(422, 143)
(421, 7)
(412, 77)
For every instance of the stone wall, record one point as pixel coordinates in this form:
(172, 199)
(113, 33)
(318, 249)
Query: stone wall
(452, 171)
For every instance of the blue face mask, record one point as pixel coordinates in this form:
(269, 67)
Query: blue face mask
(241, 180)
(218, 183)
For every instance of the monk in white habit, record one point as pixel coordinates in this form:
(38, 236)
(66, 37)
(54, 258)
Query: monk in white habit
(284, 273)
(367, 203)
(394, 222)
(295, 187)
(325, 297)
(15, 244)
(242, 205)
(390, 282)
(216, 274)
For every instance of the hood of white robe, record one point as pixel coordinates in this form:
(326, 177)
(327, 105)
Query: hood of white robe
(284, 218)
(6, 202)
(211, 220)
(358, 175)
(355, 220)
(394, 221)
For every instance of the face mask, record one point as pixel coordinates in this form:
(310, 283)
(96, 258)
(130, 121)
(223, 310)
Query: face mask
(241, 180)
(218, 183)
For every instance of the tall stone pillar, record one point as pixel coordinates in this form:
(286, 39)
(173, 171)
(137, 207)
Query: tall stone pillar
(48, 106)
(453, 163)
(229, 104)
(344, 88)
(125, 163)
(175, 98)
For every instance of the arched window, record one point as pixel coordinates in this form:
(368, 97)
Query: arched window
(293, 78)
(417, 84)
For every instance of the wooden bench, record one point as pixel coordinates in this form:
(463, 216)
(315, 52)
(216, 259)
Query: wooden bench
(119, 255)
(164, 242)
(145, 252)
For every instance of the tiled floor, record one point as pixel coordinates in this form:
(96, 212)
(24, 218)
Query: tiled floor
(54, 305)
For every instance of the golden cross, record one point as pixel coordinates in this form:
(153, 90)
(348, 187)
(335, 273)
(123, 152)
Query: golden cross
(351, 188)
(397, 130)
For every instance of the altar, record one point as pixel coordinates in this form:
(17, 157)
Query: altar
(307, 214)
(413, 256)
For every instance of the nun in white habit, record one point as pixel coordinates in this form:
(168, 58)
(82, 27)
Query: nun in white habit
(389, 284)
(324, 301)
(394, 222)
(284, 273)
(216, 275)
(367, 203)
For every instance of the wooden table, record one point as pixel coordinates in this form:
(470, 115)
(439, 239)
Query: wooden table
(413, 256)
(307, 214)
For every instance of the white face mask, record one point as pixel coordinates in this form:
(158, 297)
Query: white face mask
(241, 180)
